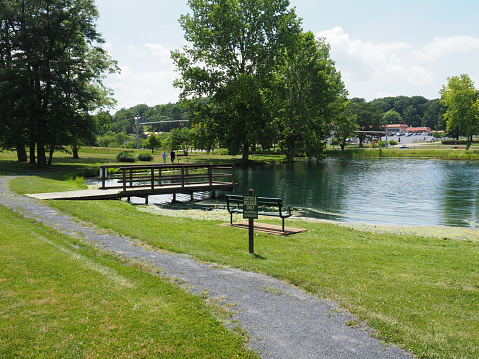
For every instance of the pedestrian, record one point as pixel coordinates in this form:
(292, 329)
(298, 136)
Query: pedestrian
(164, 156)
(172, 155)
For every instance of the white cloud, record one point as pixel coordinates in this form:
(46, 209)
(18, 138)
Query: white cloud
(446, 46)
(375, 67)
(151, 51)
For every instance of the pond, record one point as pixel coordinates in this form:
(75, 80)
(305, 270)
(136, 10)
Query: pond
(375, 191)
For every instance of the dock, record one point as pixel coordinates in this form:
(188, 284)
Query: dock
(120, 181)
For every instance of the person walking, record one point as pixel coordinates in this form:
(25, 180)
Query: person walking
(172, 155)
(164, 156)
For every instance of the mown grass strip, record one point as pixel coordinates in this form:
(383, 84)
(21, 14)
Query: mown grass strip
(61, 298)
(420, 293)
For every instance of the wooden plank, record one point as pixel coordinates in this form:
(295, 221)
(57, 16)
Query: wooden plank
(111, 193)
(267, 228)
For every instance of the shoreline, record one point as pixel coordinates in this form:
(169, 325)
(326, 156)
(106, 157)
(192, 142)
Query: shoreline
(220, 214)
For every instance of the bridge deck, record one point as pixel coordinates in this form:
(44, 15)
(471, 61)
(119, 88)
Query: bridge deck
(114, 193)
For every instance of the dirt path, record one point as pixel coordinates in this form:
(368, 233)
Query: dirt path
(282, 321)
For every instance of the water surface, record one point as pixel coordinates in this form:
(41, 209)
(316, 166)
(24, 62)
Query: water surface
(383, 191)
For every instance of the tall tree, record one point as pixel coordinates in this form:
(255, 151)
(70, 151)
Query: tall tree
(235, 46)
(461, 101)
(52, 71)
(310, 95)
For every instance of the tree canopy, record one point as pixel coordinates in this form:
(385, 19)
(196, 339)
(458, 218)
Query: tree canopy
(235, 47)
(51, 71)
(461, 100)
(267, 80)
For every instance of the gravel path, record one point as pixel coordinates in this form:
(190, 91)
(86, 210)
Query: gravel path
(282, 321)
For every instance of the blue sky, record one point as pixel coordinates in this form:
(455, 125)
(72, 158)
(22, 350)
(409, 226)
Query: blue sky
(381, 47)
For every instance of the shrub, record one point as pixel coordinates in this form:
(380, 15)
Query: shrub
(125, 156)
(145, 157)
(392, 142)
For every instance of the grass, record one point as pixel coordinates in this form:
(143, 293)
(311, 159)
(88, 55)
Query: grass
(61, 298)
(425, 151)
(418, 292)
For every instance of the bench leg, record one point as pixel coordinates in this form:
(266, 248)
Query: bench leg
(231, 218)
(283, 223)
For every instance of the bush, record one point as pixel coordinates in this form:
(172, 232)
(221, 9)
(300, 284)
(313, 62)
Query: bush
(145, 157)
(392, 142)
(125, 156)
(454, 142)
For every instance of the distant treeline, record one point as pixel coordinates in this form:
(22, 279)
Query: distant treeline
(415, 111)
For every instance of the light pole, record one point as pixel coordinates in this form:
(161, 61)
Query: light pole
(137, 119)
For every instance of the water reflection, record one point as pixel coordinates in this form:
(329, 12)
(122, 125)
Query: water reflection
(378, 191)
(403, 191)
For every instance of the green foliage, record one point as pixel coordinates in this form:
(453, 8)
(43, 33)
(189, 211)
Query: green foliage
(146, 157)
(51, 80)
(240, 42)
(125, 156)
(152, 142)
(392, 142)
(181, 138)
(461, 100)
(307, 97)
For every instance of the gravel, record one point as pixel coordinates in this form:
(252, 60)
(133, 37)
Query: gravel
(282, 321)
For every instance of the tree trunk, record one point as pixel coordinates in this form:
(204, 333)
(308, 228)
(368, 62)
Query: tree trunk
(245, 152)
(21, 153)
(75, 152)
(41, 156)
(32, 154)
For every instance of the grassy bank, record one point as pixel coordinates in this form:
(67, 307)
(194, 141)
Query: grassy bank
(419, 152)
(420, 293)
(60, 298)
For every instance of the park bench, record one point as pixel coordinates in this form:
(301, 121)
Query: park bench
(266, 207)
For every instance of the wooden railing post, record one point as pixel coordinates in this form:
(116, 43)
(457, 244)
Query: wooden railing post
(152, 178)
(182, 177)
(124, 179)
(103, 172)
(210, 175)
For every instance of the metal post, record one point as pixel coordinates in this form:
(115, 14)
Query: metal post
(137, 118)
(251, 229)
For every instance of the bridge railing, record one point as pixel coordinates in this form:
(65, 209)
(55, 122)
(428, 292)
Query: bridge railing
(161, 175)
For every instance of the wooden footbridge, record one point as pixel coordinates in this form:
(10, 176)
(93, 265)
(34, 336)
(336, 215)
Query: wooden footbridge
(120, 181)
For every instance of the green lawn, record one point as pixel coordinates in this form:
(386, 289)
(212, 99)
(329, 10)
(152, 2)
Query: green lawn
(420, 293)
(61, 298)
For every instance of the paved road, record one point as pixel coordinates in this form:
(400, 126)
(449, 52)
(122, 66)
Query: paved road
(283, 322)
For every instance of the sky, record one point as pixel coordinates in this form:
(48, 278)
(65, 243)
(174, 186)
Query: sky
(381, 47)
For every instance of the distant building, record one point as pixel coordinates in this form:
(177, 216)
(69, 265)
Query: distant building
(398, 128)
(418, 129)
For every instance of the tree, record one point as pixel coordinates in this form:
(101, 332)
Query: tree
(310, 93)
(461, 101)
(153, 142)
(368, 118)
(51, 66)
(344, 125)
(392, 116)
(181, 138)
(235, 46)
